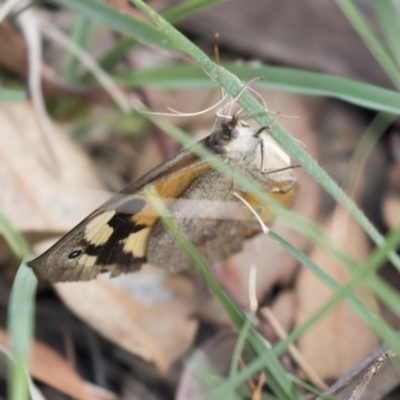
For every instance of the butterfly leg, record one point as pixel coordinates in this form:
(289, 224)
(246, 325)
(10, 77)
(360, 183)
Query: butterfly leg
(262, 149)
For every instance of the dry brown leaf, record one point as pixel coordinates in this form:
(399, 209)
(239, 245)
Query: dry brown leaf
(144, 313)
(37, 195)
(49, 367)
(341, 339)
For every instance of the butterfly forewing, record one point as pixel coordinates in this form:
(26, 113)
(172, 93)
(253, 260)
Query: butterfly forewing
(114, 238)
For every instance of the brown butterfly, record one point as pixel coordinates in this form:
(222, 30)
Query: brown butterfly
(126, 231)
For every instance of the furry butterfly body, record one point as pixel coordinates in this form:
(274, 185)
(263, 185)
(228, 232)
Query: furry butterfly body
(126, 231)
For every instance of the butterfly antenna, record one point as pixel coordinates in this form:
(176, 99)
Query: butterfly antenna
(176, 113)
(258, 94)
(236, 98)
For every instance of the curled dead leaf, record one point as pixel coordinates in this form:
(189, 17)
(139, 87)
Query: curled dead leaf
(143, 313)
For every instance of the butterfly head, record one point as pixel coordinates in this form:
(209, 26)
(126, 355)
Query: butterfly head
(234, 140)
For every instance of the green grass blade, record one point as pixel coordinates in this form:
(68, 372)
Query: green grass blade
(365, 146)
(377, 49)
(80, 34)
(33, 390)
(240, 344)
(311, 389)
(12, 95)
(20, 329)
(113, 56)
(186, 9)
(110, 16)
(174, 14)
(387, 294)
(279, 78)
(389, 22)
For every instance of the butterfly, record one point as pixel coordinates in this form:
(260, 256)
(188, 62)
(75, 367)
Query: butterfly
(214, 212)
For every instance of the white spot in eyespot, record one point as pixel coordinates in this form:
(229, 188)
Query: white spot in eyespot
(74, 254)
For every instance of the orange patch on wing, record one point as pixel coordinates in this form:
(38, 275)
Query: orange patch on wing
(169, 188)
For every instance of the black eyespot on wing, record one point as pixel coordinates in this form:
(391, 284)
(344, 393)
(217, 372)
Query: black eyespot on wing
(74, 254)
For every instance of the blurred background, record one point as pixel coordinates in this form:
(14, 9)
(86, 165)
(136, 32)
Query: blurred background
(69, 139)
